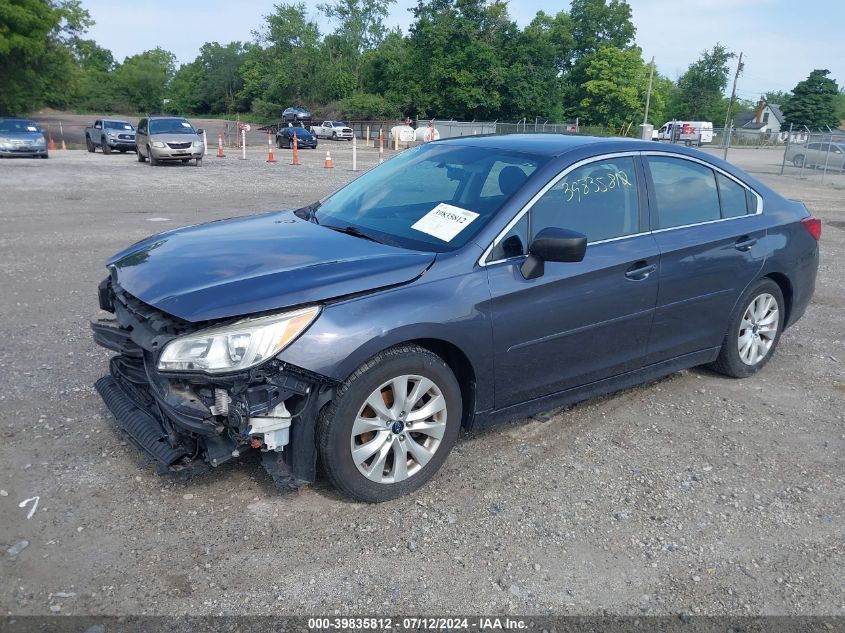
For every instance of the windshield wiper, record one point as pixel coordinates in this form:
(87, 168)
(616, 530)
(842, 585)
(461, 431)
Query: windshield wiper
(352, 230)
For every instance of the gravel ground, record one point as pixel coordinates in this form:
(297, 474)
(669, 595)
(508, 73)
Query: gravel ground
(694, 493)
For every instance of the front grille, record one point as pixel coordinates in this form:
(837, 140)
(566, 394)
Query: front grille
(178, 145)
(126, 137)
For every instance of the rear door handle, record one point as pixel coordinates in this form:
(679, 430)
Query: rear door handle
(745, 243)
(640, 271)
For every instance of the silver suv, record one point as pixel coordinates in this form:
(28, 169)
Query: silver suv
(162, 138)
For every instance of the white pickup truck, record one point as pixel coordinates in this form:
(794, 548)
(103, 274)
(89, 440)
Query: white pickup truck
(332, 129)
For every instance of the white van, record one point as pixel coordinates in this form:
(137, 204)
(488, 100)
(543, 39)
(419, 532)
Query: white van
(690, 132)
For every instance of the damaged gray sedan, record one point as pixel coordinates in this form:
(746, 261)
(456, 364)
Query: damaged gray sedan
(463, 282)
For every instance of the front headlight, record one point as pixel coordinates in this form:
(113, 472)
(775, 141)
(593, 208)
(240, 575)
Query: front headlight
(159, 144)
(197, 143)
(237, 346)
(40, 141)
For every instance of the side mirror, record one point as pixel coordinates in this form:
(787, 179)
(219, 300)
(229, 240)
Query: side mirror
(553, 245)
(200, 131)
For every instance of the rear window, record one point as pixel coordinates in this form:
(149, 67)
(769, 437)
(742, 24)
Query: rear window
(733, 197)
(686, 192)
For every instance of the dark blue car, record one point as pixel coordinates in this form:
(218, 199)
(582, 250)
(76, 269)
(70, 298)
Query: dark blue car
(462, 283)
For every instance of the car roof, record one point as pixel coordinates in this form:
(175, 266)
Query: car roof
(553, 145)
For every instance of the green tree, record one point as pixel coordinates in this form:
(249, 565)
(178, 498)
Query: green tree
(701, 88)
(535, 59)
(599, 23)
(615, 86)
(284, 68)
(141, 81)
(456, 52)
(813, 102)
(94, 89)
(359, 28)
(36, 65)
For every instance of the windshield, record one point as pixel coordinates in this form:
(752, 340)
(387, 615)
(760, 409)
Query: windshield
(338, 124)
(118, 125)
(432, 198)
(171, 126)
(18, 125)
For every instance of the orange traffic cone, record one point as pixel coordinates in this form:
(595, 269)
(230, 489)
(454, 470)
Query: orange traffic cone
(328, 162)
(51, 145)
(220, 153)
(295, 160)
(270, 157)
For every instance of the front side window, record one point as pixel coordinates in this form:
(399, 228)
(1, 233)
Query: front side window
(598, 199)
(685, 192)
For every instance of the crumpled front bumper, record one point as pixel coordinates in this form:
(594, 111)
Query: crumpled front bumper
(190, 422)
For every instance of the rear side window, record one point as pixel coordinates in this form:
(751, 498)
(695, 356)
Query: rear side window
(685, 192)
(733, 197)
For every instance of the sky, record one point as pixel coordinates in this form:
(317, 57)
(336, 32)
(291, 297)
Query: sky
(782, 40)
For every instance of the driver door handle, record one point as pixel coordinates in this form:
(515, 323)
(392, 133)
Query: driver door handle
(640, 270)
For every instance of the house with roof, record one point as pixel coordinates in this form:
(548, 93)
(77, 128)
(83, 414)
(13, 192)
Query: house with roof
(767, 118)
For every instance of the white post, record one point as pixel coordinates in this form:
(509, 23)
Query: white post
(354, 153)
(243, 144)
(367, 142)
(205, 142)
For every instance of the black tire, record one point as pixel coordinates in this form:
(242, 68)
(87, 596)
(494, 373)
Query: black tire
(186, 160)
(279, 142)
(150, 157)
(139, 155)
(105, 146)
(123, 151)
(334, 136)
(336, 420)
(199, 162)
(798, 161)
(729, 362)
(45, 156)
(89, 145)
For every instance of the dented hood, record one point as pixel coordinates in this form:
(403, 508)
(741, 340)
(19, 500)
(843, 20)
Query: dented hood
(257, 263)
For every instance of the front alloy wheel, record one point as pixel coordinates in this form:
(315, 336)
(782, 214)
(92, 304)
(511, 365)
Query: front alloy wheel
(391, 425)
(398, 429)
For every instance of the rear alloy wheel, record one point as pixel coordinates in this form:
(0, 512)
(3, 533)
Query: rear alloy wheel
(754, 331)
(391, 424)
(89, 145)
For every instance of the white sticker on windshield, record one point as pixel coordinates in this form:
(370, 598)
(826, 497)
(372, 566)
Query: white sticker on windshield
(185, 124)
(127, 127)
(445, 221)
(31, 128)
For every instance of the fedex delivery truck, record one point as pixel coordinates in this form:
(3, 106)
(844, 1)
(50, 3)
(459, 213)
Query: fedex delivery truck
(687, 132)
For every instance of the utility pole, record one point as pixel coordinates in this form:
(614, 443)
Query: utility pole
(725, 135)
(648, 94)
